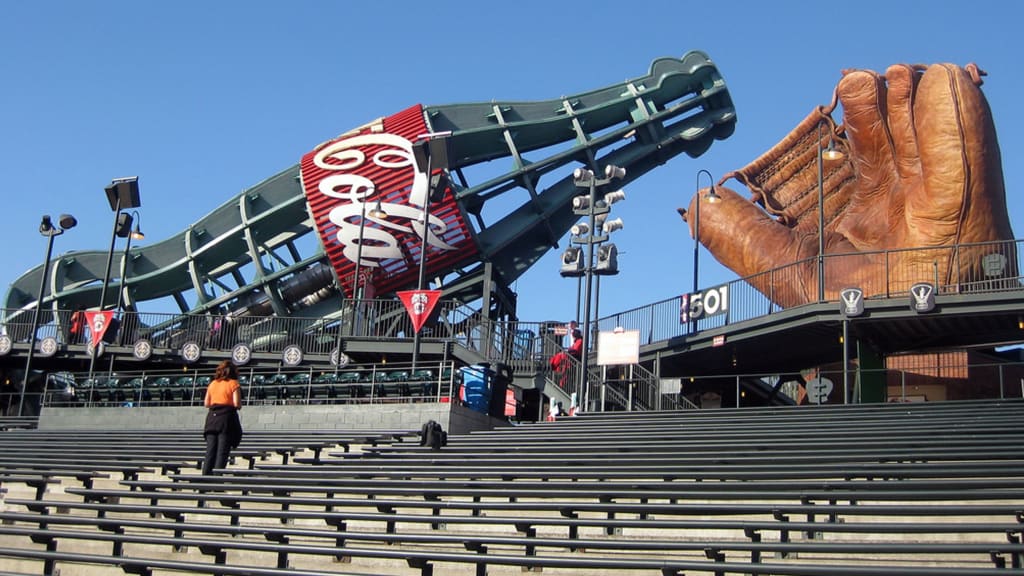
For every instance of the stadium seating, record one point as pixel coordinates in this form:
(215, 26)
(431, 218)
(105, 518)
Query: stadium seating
(833, 490)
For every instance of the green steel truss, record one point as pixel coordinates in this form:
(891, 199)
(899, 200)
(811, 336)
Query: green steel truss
(258, 252)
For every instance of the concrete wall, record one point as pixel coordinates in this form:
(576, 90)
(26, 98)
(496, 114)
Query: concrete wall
(455, 419)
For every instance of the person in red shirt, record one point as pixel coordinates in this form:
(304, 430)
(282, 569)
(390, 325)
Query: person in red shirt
(77, 329)
(576, 348)
(561, 364)
(223, 428)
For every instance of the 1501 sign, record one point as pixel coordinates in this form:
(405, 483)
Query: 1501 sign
(710, 302)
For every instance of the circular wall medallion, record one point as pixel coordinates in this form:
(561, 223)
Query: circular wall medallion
(241, 354)
(292, 355)
(5, 344)
(190, 351)
(339, 358)
(48, 346)
(95, 351)
(142, 349)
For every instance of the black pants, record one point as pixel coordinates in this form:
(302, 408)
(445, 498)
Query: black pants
(217, 450)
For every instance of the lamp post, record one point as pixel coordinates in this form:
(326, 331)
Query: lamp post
(357, 284)
(122, 194)
(712, 198)
(595, 211)
(136, 234)
(430, 152)
(830, 153)
(591, 240)
(376, 212)
(47, 229)
(122, 288)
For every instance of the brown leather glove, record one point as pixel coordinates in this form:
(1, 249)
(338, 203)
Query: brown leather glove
(921, 169)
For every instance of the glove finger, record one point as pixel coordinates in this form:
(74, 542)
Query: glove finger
(962, 199)
(747, 240)
(866, 217)
(863, 94)
(902, 80)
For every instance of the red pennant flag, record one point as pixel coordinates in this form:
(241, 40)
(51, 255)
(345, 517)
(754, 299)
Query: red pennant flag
(98, 323)
(419, 304)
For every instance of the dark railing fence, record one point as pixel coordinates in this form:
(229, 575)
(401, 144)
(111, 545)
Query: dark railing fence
(627, 387)
(891, 273)
(1001, 380)
(379, 319)
(973, 268)
(379, 383)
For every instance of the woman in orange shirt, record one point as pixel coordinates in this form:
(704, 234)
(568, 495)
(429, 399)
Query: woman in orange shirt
(223, 429)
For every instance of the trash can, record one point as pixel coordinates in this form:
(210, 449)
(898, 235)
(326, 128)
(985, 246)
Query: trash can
(476, 386)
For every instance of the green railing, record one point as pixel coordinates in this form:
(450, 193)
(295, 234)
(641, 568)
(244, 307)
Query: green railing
(370, 383)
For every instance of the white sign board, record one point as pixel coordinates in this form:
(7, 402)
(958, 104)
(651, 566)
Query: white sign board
(618, 347)
(670, 385)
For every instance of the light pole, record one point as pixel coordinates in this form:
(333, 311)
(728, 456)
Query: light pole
(47, 229)
(430, 152)
(585, 233)
(830, 153)
(376, 212)
(122, 287)
(122, 194)
(712, 198)
(357, 292)
(135, 234)
(357, 284)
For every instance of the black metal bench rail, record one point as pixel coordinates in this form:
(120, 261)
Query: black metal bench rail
(175, 448)
(661, 557)
(39, 459)
(849, 490)
(559, 432)
(32, 523)
(827, 511)
(1003, 455)
(18, 422)
(824, 412)
(833, 484)
(667, 472)
(816, 441)
(145, 566)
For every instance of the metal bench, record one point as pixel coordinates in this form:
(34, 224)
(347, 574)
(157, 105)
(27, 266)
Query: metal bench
(114, 531)
(481, 557)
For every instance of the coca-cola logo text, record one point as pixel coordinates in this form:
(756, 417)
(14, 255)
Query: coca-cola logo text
(343, 159)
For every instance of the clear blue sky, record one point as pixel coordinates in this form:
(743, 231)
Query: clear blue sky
(204, 99)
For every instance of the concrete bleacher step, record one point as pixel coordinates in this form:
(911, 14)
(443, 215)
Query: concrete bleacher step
(626, 493)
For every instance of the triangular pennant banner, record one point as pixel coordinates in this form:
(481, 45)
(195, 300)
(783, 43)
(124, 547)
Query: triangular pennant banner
(98, 323)
(419, 304)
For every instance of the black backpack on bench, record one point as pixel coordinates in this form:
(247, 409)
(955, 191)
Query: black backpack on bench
(433, 435)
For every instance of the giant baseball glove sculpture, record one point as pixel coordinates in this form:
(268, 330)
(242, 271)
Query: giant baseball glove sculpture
(921, 169)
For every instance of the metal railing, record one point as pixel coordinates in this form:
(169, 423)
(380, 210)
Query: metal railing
(377, 319)
(890, 272)
(527, 346)
(364, 384)
(932, 382)
(621, 388)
